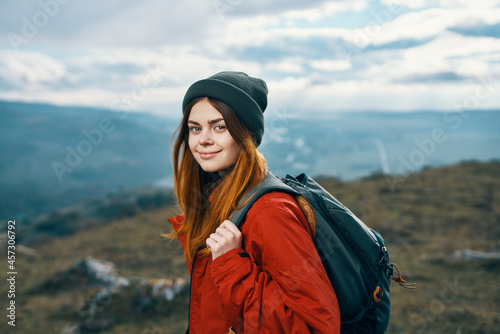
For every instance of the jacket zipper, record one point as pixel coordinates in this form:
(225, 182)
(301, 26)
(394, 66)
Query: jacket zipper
(191, 284)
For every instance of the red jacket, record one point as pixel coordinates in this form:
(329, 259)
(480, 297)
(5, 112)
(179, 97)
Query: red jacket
(275, 284)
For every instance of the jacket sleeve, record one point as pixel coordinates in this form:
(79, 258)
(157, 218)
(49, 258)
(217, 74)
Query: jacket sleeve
(277, 284)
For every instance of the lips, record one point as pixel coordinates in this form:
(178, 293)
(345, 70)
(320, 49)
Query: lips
(207, 155)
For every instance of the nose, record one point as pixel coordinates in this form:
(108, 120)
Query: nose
(205, 138)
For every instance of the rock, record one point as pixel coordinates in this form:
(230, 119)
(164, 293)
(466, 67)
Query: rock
(21, 249)
(95, 325)
(153, 291)
(70, 329)
(140, 295)
(468, 254)
(101, 274)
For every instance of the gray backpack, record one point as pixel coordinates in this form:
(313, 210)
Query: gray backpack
(354, 256)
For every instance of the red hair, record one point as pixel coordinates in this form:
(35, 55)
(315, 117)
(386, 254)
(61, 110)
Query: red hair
(204, 198)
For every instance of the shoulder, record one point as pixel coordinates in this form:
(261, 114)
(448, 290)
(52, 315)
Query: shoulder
(276, 223)
(274, 211)
(272, 200)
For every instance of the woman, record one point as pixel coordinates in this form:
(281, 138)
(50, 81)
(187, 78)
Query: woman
(268, 277)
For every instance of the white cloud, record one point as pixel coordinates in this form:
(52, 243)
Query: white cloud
(375, 94)
(288, 65)
(468, 3)
(154, 23)
(420, 25)
(148, 23)
(414, 4)
(275, 8)
(418, 4)
(449, 52)
(84, 97)
(331, 65)
(411, 60)
(30, 70)
(327, 9)
(97, 78)
(288, 85)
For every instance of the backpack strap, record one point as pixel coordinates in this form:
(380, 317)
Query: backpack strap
(269, 183)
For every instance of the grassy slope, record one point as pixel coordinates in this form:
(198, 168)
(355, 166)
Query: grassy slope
(134, 245)
(424, 218)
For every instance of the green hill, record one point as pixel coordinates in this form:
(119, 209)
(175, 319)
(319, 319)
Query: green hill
(427, 220)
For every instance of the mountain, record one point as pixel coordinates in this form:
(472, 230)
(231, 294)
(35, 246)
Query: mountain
(52, 157)
(55, 156)
(353, 145)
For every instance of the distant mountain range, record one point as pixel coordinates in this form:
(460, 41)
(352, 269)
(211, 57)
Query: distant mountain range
(54, 156)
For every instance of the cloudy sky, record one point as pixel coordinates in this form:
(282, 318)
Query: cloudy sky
(356, 55)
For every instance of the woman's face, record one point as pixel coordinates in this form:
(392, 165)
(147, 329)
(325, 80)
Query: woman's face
(209, 140)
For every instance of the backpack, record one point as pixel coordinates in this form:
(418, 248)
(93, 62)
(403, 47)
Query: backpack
(354, 256)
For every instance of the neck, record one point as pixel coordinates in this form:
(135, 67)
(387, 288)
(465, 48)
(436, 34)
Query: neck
(225, 172)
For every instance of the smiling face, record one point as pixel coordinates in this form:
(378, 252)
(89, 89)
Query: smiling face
(210, 142)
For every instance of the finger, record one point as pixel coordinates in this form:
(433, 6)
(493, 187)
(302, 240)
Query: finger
(225, 233)
(231, 227)
(217, 238)
(212, 245)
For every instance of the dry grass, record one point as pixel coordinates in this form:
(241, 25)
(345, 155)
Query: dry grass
(424, 218)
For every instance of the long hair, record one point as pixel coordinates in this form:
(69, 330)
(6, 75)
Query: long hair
(205, 199)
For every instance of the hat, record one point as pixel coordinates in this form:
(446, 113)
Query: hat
(245, 95)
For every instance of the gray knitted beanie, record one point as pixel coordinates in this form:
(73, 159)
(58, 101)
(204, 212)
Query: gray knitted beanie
(245, 95)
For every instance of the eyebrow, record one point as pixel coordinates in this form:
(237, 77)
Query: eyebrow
(213, 121)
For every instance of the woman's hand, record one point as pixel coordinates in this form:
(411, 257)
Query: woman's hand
(226, 237)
